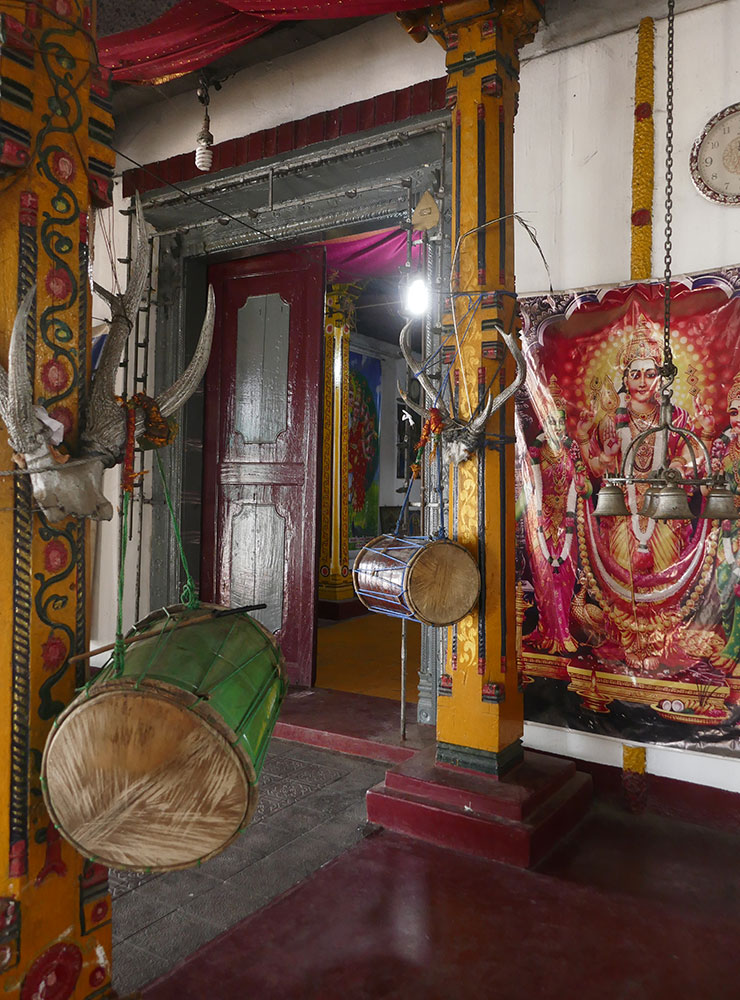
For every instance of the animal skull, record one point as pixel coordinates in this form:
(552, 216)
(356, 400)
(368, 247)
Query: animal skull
(75, 487)
(460, 439)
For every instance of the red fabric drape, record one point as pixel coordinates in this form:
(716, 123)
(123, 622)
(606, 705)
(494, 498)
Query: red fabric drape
(315, 10)
(195, 32)
(189, 36)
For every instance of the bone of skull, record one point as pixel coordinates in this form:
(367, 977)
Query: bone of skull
(460, 438)
(75, 487)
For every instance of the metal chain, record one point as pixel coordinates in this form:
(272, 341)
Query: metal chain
(669, 370)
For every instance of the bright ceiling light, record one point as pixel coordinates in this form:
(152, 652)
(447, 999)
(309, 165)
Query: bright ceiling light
(416, 298)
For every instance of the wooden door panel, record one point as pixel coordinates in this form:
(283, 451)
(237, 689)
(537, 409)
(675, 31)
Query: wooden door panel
(254, 556)
(260, 413)
(262, 425)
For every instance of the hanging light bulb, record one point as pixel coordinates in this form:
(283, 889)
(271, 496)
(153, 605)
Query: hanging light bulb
(204, 142)
(204, 139)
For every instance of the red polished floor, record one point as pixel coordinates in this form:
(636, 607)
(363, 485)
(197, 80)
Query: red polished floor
(351, 723)
(629, 908)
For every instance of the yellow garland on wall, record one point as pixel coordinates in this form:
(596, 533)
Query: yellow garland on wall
(643, 155)
(633, 759)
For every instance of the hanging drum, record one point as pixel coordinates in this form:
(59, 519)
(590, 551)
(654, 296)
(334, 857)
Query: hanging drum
(435, 582)
(157, 767)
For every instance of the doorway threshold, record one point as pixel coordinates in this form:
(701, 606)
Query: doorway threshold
(357, 724)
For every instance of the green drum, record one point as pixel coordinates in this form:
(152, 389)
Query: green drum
(156, 767)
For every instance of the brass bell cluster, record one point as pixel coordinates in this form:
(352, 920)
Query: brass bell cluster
(665, 498)
(664, 503)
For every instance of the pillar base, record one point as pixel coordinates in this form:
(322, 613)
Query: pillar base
(485, 761)
(517, 818)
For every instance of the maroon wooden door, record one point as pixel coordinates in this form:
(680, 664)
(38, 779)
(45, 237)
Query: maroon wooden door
(261, 456)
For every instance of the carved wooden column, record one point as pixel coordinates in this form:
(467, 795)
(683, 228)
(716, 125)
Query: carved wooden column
(480, 710)
(490, 802)
(335, 581)
(55, 127)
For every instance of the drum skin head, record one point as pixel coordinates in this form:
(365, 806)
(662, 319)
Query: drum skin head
(136, 780)
(443, 583)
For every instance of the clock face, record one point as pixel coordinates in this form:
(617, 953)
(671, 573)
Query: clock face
(715, 158)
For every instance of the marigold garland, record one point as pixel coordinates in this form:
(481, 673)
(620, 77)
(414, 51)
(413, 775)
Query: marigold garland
(643, 155)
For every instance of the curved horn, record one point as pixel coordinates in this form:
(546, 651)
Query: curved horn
(16, 389)
(105, 429)
(478, 423)
(180, 391)
(139, 267)
(105, 425)
(411, 404)
(409, 359)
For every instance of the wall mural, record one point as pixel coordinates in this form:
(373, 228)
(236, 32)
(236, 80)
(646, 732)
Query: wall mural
(630, 626)
(364, 445)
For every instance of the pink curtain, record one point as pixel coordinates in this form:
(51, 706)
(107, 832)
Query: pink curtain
(195, 32)
(369, 255)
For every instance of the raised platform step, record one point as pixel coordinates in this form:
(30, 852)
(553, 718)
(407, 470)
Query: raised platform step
(517, 822)
(515, 795)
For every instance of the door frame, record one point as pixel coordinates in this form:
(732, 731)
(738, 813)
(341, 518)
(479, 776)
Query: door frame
(191, 238)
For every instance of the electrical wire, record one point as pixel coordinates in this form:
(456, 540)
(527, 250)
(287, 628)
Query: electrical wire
(531, 232)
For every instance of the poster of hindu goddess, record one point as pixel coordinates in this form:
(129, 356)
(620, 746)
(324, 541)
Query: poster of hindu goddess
(630, 626)
(363, 445)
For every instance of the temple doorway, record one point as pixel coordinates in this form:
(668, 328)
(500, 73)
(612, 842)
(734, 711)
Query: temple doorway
(373, 441)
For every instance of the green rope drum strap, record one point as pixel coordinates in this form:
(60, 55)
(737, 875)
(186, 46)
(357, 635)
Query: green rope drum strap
(188, 595)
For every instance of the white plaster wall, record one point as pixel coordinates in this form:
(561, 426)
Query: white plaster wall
(372, 59)
(573, 163)
(109, 244)
(573, 153)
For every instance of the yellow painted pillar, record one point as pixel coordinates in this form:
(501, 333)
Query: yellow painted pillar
(335, 581)
(480, 706)
(55, 126)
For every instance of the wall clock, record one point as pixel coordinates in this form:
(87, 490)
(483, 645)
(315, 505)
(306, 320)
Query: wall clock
(715, 158)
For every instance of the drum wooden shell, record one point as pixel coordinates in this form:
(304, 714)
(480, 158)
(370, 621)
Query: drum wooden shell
(435, 582)
(158, 768)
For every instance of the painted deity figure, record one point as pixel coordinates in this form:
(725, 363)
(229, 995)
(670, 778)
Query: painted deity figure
(726, 459)
(642, 572)
(557, 477)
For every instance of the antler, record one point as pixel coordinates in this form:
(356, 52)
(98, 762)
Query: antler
(25, 430)
(420, 374)
(521, 371)
(460, 438)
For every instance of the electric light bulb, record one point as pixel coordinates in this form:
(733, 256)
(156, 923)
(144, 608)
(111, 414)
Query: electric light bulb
(203, 156)
(417, 297)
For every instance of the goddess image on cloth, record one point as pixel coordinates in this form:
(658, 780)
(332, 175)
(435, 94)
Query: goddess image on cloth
(558, 476)
(648, 576)
(726, 459)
